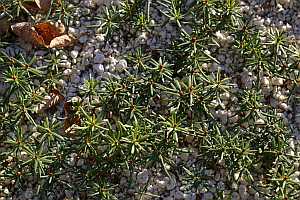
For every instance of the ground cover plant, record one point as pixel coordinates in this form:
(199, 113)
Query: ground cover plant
(213, 97)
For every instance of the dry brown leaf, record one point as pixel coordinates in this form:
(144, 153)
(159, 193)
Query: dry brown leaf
(62, 41)
(27, 33)
(49, 103)
(46, 34)
(55, 98)
(47, 30)
(71, 119)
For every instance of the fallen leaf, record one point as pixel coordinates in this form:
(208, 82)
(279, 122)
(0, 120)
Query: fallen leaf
(62, 41)
(49, 102)
(47, 30)
(46, 34)
(55, 98)
(71, 119)
(27, 33)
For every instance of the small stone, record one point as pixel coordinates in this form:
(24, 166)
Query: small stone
(161, 184)
(283, 106)
(76, 79)
(100, 37)
(256, 196)
(220, 36)
(67, 72)
(62, 82)
(73, 31)
(235, 196)
(243, 191)
(72, 159)
(142, 37)
(40, 53)
(64, 57)
(116, 38)
(122, 64)
(74, 54)
(99, 58)
(83, 39)
(99, 68)
(6, 191)
(80, 162)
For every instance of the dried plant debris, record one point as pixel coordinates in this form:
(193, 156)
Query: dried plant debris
(38, 6)
(71, 118)
(47, 34)
(53, 99)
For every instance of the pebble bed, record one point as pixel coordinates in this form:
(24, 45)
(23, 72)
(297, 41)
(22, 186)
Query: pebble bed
(92, 57)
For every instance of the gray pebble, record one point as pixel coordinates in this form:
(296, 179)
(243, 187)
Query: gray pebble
(99, 57)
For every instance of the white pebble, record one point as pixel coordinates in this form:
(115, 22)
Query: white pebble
(74, 54)
(283, 106)
(6, 191)
(142, 38)
(73, 31)
(161, 183)
(67, 72)
(220, 36)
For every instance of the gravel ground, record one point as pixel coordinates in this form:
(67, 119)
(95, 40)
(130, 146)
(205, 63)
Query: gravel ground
(93, 57)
